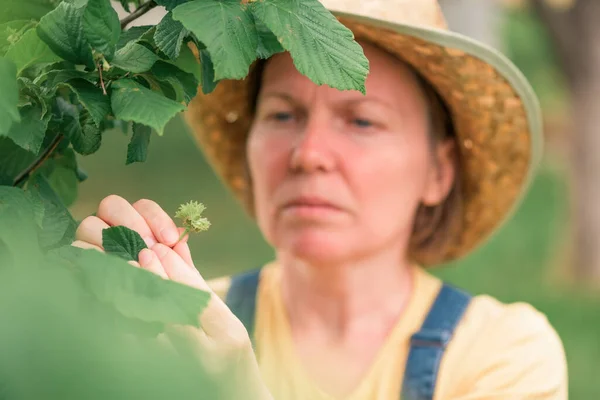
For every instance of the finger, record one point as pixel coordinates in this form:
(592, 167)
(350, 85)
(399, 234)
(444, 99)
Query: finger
(115, 210)
(85, 245)
(90, 231)
(217, 319)
(134, 263)
(183, 249)
(149, 261)
(161, 224)
(177, 269)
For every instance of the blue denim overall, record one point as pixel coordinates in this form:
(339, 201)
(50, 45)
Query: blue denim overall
(427, 345)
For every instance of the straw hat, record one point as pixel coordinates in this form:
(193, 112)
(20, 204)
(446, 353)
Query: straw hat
(495, 113)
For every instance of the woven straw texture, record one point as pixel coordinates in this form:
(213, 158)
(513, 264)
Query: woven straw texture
(497, 132)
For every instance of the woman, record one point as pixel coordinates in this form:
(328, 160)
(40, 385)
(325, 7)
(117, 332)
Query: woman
(358, 194)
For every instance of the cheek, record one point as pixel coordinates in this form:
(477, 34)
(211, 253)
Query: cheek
(267, 161)
(391, 184)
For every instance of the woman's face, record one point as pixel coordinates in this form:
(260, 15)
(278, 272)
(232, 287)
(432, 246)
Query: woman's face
(338, 175)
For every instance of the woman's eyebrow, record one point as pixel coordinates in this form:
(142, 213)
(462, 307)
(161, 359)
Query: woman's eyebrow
(375, 100)
(280, 95)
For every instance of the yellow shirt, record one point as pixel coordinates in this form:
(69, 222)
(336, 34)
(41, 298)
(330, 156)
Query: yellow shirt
(499, 351)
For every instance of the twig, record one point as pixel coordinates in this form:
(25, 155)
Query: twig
(141, 10)
(38, 161)
(101, 79)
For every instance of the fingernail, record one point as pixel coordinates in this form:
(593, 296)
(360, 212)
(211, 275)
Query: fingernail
(145, 256)
(169, 235)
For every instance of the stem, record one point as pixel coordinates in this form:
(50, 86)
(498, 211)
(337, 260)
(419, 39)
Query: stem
(101, 79)
(141, 10)
(187, 230)
(38, 161)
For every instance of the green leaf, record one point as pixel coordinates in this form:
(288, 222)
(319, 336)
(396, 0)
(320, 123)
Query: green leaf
(267, 42)
(55, 77)
(125, 4)
(29, 133)
(322, 48)
(92, 98)
(58, 226)
(24, 9)
(29, 50)
(133, 102)
(134, 58)
(85, 138)
(132, 34)
(14, 159)
(62, 30)
(17, 225)
(228, 32)
(181, 81)
(169, 36)
(135, 292)
(137, 150)
(31, 94)
(102, 27)
(63, 176)
(170, 4)
(9, 95)
(123, 242)
(208, 73)
(188, 62)
(11, 32)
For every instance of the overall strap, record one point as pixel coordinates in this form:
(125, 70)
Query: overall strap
(428, 345)
(241, 298)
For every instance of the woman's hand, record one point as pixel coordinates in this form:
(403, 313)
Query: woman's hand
(222, 344)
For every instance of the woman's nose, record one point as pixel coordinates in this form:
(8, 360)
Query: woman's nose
(312, 151)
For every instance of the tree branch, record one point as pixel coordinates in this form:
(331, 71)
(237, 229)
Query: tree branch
(141, 10)
(38, 161)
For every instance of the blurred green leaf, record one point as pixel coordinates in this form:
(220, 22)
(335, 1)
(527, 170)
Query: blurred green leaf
(135, 292)
(58, 226)
(9, 95)
(24, 9)
(30, 131)
(11, 32)
(29, 50)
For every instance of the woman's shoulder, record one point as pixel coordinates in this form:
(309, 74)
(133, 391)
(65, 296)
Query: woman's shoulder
(504, 348)
(517, 322)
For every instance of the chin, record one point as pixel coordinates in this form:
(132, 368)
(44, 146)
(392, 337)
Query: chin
(317, 247)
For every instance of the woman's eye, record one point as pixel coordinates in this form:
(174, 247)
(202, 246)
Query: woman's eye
(282, 116)
(362, 123)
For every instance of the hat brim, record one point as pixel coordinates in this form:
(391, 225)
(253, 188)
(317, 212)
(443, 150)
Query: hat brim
(496, 115)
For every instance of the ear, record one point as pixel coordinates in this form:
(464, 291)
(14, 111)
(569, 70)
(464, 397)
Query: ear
(442, 174)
